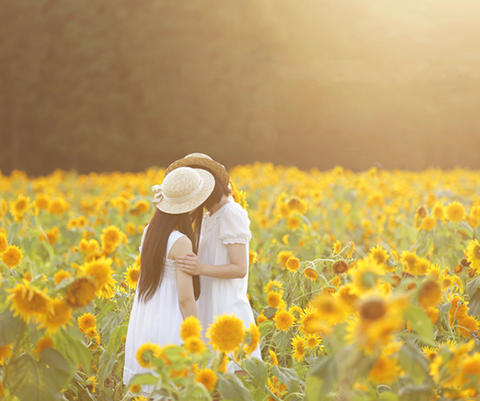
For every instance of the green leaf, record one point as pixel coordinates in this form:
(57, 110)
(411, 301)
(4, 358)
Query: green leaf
(10, 327)
(265, 327)
(49, 248)
(232, 388)
(288, 377)
(74, 350)
(415, 393)
(258, 370)
(105, 367)
(144, 378)
(269, 311)
(413, 362)
(322, 378)
(474, 305)
(13, 231)
(116, 339)
(388, 396)
(282, 339)
(421, 323)
(104, 310)
(32, 381)
(473, 286)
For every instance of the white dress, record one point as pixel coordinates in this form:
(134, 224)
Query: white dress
(228, 225)
(158, 320)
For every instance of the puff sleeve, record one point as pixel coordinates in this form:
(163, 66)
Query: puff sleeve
(234, 225)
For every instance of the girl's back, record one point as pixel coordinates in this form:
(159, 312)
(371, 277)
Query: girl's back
(157, 320)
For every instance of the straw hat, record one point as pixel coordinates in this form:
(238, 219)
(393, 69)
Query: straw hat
(201, 160)
(183, 190)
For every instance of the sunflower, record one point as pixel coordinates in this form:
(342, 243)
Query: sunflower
(438, 211)
(5, 352)
(190, 327)
(100, 271)
(455, 211)
(273, 356)
(29, 301)
(130, 229)
(293, 223)
(310, 274)
(131, 276)
(80, 293)
(467, 325)
(252, 338)
(12, 256)
(373, 307)
(337, 247)
(92, 383)
(422, 266)
(385, 370)
(283, 257)
(44, 342)
(207, 377)
(60, 316)
(298, 345)
(366, 275)
(61, 275)
(430, 294)
(433, 315)
(336, 281)
(274, 299)
(473, 255)
(430, 352)
(284, 320)
(41, 202)
(471, 367)
(111, 236)
(352, 249)
(140, 207)
(86, 321)
(273, 284)
(252, 257)
(409, 260)
(313, 340)
(3, 243)
(293, 264)
(327, 308)
(428, 223)
(226, 333)
(378, 254)
(20, 206)
(134, 388)
(194, 345)
(58, 206)
(339, 267)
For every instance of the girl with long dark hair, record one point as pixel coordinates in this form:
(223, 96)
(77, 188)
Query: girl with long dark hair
(165, 296)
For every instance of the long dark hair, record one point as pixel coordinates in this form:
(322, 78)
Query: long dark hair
(154, 250)
(215, 197)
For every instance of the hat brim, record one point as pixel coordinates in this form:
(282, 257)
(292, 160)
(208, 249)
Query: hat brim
(192, 203)
(196, 161)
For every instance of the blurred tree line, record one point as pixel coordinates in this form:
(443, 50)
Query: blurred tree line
(123, 85)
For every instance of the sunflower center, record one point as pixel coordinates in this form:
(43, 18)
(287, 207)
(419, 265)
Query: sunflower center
(476, 252)
(373, 309)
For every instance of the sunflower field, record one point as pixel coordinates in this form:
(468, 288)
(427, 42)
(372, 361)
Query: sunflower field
(365, 286)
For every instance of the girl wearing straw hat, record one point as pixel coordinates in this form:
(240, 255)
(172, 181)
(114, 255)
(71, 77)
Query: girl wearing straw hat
(223, 250)
(165, 296)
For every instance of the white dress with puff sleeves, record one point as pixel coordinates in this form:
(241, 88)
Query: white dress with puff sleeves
(228, 225)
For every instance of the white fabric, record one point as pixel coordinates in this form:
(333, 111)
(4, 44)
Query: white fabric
(158, 320)
(228, 225)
